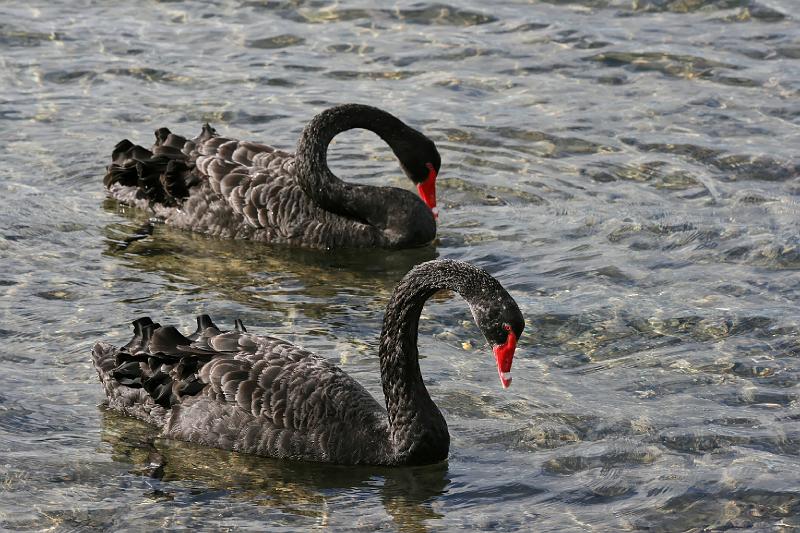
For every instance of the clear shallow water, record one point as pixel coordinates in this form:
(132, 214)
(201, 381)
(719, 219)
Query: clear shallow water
(627, 168)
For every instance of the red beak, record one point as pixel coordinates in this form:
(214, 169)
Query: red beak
(504, 355)
(427, 191)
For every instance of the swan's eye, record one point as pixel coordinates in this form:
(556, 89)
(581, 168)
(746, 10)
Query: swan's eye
(507, 327)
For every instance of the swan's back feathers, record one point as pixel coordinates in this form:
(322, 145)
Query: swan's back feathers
(240, 391)
(228, 188)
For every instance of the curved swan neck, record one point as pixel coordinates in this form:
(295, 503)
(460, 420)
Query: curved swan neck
(413, 416)
(311, 166)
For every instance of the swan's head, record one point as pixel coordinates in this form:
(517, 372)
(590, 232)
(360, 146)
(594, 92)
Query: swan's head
(501, 322)
(421, 162)
(409, 222)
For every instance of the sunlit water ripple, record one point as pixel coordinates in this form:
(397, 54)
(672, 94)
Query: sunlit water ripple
(627, 168)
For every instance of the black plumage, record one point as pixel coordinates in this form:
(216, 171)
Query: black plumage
(261, 395)
(241, 189)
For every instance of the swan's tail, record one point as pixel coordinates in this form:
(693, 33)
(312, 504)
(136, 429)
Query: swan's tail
(163, 174)
(157, 368)
(123, 377)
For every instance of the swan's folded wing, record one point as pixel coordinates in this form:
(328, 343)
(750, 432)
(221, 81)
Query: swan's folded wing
(266, 396)
(248, 176)
(281, 383)
(265, 377)
(244, 392)
(256, 180)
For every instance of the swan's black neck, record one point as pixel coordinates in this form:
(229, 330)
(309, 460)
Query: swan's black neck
(313, 173)
(418, 431)
(363, 203)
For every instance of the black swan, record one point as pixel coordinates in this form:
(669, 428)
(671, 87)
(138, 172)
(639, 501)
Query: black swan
(261, 395)
(240, 189)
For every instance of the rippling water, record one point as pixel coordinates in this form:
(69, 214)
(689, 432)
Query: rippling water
(627, 168)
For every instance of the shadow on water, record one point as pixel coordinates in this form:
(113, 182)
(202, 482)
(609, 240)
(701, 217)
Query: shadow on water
(295, 488)
(264, 275)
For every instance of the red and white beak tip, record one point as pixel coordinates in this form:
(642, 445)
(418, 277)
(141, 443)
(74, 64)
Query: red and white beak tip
(504, 355)
(427, 191)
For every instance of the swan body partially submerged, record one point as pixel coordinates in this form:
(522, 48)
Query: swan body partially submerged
(240, 189)
(261, 395)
